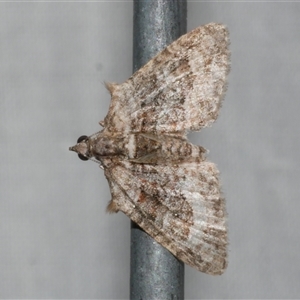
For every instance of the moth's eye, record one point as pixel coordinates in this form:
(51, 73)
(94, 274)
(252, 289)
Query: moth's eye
(82, 157)
(82, 138)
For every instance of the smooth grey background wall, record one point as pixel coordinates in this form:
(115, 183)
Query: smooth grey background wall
(56, 239)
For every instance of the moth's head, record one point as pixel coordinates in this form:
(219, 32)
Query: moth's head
(82, 148)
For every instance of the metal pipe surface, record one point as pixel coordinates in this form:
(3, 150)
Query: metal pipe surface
(156, 24)
(154, 272)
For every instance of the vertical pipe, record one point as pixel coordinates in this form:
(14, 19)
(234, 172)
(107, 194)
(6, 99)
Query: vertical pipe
(154, 272)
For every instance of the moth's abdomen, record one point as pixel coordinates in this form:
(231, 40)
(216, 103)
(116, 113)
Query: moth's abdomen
(176, 149)
(153, 149)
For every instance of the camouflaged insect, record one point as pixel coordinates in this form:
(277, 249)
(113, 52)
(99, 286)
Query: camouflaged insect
(156, 177)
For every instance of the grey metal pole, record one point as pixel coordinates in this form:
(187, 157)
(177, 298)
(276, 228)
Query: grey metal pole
(154, 273)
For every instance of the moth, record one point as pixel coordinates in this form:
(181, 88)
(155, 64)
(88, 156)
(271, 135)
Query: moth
(157, 178)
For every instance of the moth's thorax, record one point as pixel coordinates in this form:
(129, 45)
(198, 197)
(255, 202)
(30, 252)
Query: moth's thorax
(107, 145)
(129, 146)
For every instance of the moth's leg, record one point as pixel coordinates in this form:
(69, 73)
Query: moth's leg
(111, 87)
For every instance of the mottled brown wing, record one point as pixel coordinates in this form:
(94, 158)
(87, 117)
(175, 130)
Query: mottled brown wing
(179, 90)
(180, 206)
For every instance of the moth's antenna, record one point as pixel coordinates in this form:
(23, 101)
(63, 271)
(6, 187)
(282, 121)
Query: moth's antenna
(96, 161)
(92, 135)
(154, 272)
